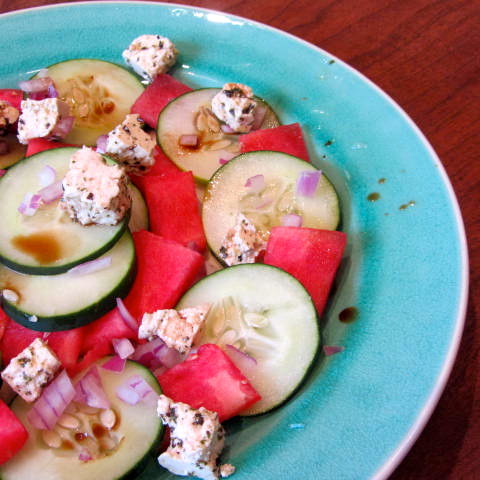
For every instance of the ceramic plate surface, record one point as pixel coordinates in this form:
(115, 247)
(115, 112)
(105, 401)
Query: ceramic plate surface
(405, 269)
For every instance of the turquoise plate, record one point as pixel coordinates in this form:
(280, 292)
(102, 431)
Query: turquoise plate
(405, 270)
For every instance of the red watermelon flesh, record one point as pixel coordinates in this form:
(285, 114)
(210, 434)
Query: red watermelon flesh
(36, 145)
(285, 138)
(156, 96)
(211, 380)
(173, 208)
(162, 166)
(13, 434)
(66, 344)
(165, 269)
(311, 255)
(13, 96)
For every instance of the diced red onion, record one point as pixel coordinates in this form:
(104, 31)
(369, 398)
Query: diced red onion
(136, 389)
(30, 204)
(146, 353)
(242, 360)
(36, 85)
(91, 266)
(85, 455)
(127, 394)
(307, 183)
(188, 140)
(255, 183)
(115, 364)
(52, 403)
(2, 173)
(90, 390)
(169, 357)
(155, 353)
(291, 220)
(123, 347)
(52, 92)
(63, 127)
(102, 143)
(46, 176)
(126, 315)
(51, 193)
(227, 128)
(332, 349)
(259, 116)
(226, 157)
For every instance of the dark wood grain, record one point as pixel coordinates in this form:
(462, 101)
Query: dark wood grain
(426, 55)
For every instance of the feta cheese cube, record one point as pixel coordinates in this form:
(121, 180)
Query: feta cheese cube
(31, 370)
(176, 329)
(40, 118)
(235, 106)
(131, 146)
(150, 55)
(243, 242)
(95, 192)
(196, 440)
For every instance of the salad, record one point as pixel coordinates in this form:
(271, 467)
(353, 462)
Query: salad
(165, 257)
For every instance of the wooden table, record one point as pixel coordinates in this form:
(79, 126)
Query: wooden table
(426, 55)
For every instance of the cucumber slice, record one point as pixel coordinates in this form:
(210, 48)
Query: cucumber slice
(99, 93)
(139, 211)
(138, 424)
(61, 302)
(266, 313)
(227, 195)
(16, 151)
(48, 242)
(183, 116)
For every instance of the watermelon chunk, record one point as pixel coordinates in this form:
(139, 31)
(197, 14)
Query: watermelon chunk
(156, 96)
(36, 145)
(12, 95)
(66, 344)
(3, 322)
(165, 269)
(311, 255)
(13, 434)
(173, 208)
(208, 378)
(285, 138)
(99, 334)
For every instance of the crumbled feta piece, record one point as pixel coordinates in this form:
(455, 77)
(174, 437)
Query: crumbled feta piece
(8, 116)
(243, 242)
(176, 329)
(131, 146)
(235, 106)
(94, 191)
(150, 55)
(39, 118)
(31, 370)
(196, 440)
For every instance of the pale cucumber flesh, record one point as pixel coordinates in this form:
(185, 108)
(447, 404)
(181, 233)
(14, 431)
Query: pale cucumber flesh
(69, 300)
(267, 314)
(48, 242)
(227, 195)
(139, 425)
(182, 117)
(99, 94)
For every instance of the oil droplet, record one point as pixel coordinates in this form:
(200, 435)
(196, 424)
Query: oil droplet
(348, 315)
(44, 247)
(411, 203)
(373, 197)
(382, 180)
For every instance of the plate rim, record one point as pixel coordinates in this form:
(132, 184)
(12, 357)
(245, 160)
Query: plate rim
(399, 452)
